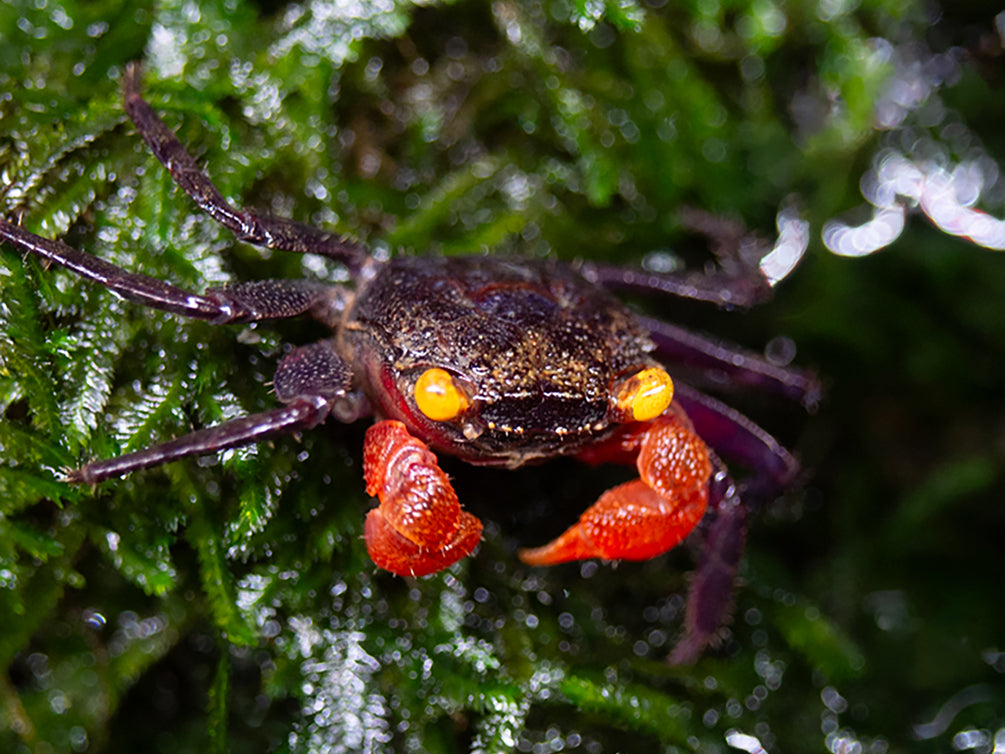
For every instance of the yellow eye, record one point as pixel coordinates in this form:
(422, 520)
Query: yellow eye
(645, 395)
(438, 396)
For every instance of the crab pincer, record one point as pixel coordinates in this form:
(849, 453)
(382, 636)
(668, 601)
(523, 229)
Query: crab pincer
(419, 527)
(644, 517)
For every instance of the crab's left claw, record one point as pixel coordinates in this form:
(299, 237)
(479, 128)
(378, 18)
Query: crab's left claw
(646, 516)
(419, 527)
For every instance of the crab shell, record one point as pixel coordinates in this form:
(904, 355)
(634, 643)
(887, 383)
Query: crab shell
(538, 352)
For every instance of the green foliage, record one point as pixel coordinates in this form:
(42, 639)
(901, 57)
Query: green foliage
(227, 604)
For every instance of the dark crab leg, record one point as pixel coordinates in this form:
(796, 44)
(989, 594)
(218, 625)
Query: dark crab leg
(244, 430)
(724, 529)
(261, 230)
(733, 435)
(313, 381)
(710, 596)
(244, 302)
(136, 286)
(740, 366)
(720, 288)
(740, 279)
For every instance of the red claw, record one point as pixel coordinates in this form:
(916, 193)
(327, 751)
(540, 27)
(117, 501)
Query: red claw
(419, 527)
(645, 517)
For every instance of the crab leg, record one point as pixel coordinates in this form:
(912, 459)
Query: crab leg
(419, 527)
(738, 281)
(710, 595)
(261, 230)
(717, 287)
(734, 436)
(242, 302)
(646, 516)
(742, 367)
(244, 430)
(312, 381)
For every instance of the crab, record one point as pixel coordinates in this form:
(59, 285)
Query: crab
(497, 361)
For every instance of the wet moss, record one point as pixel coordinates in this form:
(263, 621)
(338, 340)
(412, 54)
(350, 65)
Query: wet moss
(229, 604)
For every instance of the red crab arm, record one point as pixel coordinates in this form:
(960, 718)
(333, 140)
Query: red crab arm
(742, 367)
(313, 381)
(646, 516)
(419, 527)
(243, 302)
(261, 230)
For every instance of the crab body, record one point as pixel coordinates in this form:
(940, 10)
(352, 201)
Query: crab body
(498, 361)
(536, 348)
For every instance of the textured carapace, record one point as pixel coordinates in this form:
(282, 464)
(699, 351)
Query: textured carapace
(535, 351)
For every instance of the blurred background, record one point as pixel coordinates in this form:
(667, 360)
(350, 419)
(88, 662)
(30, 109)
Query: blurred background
(227, 604)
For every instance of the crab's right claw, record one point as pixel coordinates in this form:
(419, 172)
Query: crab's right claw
(645, 517)
(419, 527)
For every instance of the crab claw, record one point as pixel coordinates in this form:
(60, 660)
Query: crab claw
(647, 516)
(419, 527)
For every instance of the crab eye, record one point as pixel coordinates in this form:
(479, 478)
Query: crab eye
(438, 396)
(645, 395)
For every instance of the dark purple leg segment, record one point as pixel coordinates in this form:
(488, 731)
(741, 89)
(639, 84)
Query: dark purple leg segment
(313, 371)
(243, 302)
(271, 232)
(135, 286)
(738, 281)
(733, 435)
(719, 288)
(276, 299)
(724, 528)
(710, 597)
(244, 430)
(741, 367)
(311, 380)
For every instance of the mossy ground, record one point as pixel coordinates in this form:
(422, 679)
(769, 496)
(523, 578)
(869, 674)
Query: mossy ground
(229, 605)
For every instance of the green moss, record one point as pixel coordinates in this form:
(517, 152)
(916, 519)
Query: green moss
(228, 604)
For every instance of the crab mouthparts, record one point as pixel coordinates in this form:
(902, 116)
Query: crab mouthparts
(543, 413)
